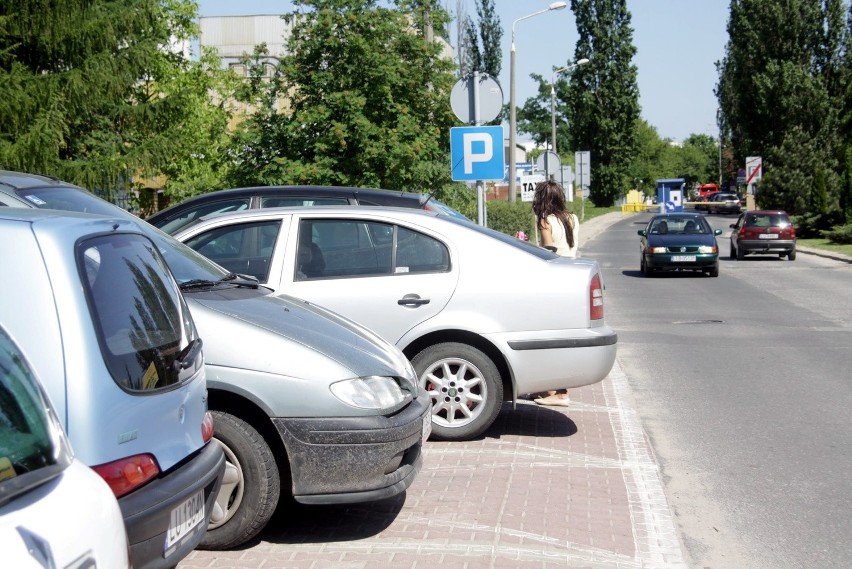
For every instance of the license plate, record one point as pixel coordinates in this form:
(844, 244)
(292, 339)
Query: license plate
(427, 427)
(683, 258)
(183, 520)
(769, 236)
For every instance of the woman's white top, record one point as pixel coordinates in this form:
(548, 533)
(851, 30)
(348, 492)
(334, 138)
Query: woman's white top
(557, 231)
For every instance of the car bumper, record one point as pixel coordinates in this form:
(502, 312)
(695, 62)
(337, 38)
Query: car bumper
(667, 262)
(767, 246)
(551, 359)
(147, 511)
(355, 459)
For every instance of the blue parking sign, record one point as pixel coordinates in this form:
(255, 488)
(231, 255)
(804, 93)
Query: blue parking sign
(477, 153)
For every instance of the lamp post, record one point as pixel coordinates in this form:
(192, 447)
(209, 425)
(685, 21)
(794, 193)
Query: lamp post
(570, 67)
(512, 114)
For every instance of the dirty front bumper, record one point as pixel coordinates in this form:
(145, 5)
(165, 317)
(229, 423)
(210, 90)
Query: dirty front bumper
(343, 460)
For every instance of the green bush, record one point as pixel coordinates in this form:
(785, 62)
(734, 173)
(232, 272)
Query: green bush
(509, 218)
(840, 234)
(811, 225)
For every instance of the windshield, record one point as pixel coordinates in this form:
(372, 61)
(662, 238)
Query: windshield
(527, 246)
(32, 448)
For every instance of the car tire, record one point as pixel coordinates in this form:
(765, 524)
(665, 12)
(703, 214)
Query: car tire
(714, 271)
(740, 254)
(733, 252)
(791, 256)
(458, 376)
(643, 268)
(251, 487)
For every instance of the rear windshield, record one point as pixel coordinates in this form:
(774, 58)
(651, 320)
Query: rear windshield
(767, 220)
(66, 198)
(31, 450)
(144, 328)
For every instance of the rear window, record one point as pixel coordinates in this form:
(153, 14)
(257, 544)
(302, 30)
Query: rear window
(145, 331)
(66, 198)
(31, 450)
(767, 220)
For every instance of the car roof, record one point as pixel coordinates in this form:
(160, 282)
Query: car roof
(343, 191)
(320, 210)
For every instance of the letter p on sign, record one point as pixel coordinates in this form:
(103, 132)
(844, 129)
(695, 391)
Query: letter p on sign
(474, 152)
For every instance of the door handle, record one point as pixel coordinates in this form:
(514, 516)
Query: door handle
(412, 300)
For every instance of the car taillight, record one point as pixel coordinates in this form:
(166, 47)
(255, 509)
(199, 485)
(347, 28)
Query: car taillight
(207, 427)
(128, 474)
(596, 311)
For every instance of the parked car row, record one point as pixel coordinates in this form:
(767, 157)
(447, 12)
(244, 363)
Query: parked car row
(686, 242)
(306, 404)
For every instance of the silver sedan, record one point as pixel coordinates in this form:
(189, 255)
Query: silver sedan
(482, 316)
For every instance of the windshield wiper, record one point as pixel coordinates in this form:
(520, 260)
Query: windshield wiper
(187, 356)
(229, 279)
(240, 280)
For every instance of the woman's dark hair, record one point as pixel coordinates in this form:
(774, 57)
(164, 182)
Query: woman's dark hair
(549, 199)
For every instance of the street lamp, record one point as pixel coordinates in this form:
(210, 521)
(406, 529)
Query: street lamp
(570, 67)
(512, 114)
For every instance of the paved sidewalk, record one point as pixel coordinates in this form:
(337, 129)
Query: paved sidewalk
(546, 487)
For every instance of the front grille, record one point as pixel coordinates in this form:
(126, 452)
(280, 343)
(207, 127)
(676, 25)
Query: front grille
(686, 249)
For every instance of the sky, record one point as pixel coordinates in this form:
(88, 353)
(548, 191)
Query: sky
(678, 43)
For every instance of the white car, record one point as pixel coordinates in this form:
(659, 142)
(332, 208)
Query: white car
(54, 510)
(482, 316)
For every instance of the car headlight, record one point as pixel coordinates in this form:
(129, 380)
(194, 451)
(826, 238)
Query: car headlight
(373, 392)
(706, 249)
(656, 250)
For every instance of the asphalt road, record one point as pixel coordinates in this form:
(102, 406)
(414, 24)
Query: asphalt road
(743, 385)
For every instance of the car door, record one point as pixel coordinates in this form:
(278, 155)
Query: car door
(386, 275)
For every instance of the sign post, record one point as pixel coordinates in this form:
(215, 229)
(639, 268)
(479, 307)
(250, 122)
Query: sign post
(582, 167)
(754, 172)
(476, 99)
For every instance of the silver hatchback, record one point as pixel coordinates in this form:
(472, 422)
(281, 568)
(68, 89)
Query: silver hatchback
(92, 302)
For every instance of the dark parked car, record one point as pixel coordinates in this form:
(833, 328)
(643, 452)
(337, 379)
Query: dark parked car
(679, 242)
(765, 232)
(721, 203)
(176, 217)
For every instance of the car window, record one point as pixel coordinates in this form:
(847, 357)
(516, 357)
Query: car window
(66, 198)
(269, 201)
(243, 248)
(30, 450)
(680, 225)
(173, 223)
(349, 248)
(143, 324)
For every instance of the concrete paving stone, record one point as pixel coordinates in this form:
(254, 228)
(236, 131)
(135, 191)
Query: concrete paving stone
(545, 487)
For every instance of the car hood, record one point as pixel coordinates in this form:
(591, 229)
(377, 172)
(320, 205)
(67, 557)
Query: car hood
(681, 240)
(284, 335)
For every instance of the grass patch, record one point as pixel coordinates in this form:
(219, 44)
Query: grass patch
(590, 210)
(826, 245)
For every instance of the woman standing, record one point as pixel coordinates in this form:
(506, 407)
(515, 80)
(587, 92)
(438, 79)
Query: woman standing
(559, 230)
(557, 227)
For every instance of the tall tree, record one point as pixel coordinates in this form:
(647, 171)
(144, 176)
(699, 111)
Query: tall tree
(482, 41)
(602, 98)
(80, 86)
(779, 93)
(366, 102)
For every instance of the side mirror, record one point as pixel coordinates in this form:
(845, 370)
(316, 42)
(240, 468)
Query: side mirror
(642, 233)
(718, 232)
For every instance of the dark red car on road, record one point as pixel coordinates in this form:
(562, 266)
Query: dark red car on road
(764, 232)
